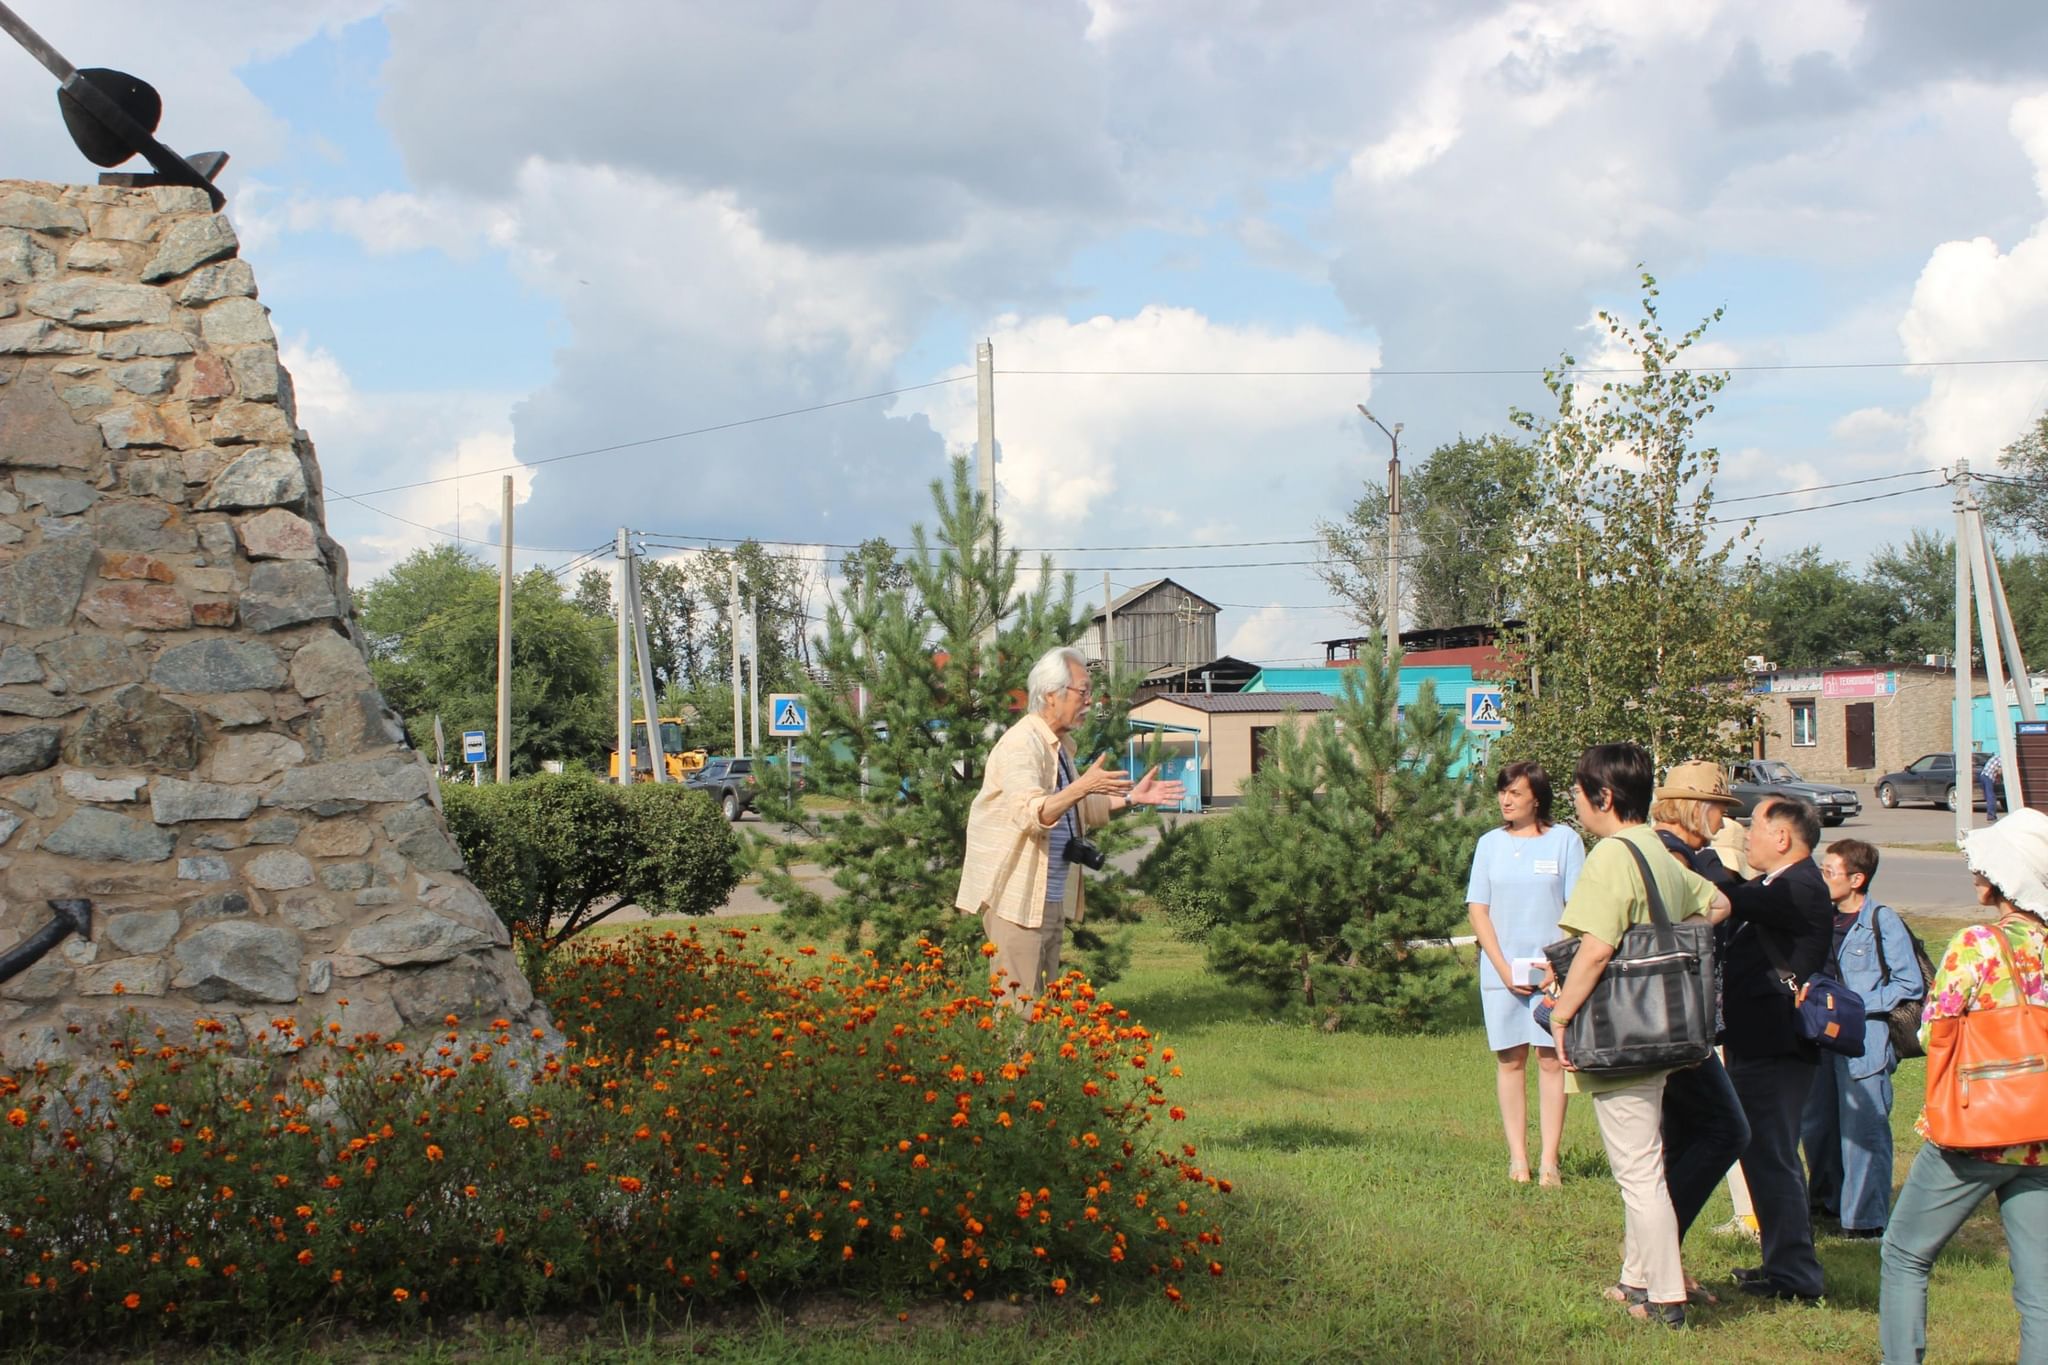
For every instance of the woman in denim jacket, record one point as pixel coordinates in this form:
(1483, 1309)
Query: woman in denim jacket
(1847, 1130)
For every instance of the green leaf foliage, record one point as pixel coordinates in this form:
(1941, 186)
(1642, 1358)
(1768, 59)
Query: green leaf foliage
(556, 853)
(921, 677)
(1639, 618)
(1351, 844)
(432, 624)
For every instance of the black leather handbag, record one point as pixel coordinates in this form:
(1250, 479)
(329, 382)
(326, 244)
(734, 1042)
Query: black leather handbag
(1653, 1007)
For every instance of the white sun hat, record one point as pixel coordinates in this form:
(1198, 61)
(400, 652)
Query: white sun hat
(2013, 856)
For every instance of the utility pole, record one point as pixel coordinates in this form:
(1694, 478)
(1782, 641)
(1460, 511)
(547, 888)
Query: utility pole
(1108, 630)
(625, 660)
(732, 616)
(1959, 726)
(505, 636)
(985, 458)
(754, 675)
(2001, 645)
(656, 759)
(1393, 604)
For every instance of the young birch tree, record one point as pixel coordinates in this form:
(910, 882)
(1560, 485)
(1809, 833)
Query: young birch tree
(1639, 618)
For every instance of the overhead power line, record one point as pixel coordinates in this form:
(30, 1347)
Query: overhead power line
(1453, 373)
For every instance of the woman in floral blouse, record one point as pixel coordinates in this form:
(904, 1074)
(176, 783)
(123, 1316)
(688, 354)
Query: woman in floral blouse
(1986, 966)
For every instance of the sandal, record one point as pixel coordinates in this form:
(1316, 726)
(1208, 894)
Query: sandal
(1670, 1314)
(1626, 1293)
(1697, 1293)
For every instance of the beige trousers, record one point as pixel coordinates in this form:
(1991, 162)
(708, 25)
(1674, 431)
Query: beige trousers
(1630, 1122)
(1027, 958)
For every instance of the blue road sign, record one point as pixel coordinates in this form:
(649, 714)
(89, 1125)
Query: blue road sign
(475, 747)
(1485, 709)
(787, 715)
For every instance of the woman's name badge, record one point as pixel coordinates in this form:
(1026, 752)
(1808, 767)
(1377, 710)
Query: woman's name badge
(1546, 867)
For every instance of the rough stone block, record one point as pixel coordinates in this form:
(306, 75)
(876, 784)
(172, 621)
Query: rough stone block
(189, 245)
(339, 788)
(142, 931)
(136, 606)
(209, 379)
(213, 612)
(250, 424)
(206, 867)
(9, 822)
(350, 723)
(83, 398)
(141, 528)
(29, 750)
(59, 495)
(278, 534)
(414, 936)
(273, 829)
(38, 431)
(345, 876)
(47, 980)
(227, 280)
(307, 911)
(93, 258)
(24, 260)
(145, 377)
(126, 976)
(19, 209)
(81, 786)
(41, 589)
(219, 905)
(416, 834)
(337, 839)
(156, 342)
(174, 801)
(135, 728)
(102, 835)
(252, 758)
(18, 664)
(256, 373)
(133, 427)
(465, 988)
(137, 568)
(93, 305)
(120, 224)
(278, 870)
(245, 963)
(265, 477)
(41, 337)
(237, 322)
(218, 666)
(89, 663)
(37, 702)
(329, 664)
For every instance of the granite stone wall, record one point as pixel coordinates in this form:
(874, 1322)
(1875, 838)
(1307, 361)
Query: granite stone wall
(189, 733)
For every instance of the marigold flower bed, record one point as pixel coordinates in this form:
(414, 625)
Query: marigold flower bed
(727, 1119)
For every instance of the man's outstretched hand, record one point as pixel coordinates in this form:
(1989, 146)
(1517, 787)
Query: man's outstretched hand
(1150, 791)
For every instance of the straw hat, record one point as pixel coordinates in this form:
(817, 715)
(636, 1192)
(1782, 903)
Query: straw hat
(1697, 780)
(2013, 856)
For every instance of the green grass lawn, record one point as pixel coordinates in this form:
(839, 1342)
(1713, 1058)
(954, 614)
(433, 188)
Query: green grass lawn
(1372, 1220)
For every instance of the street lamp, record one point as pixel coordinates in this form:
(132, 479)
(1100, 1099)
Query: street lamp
(1393, 604)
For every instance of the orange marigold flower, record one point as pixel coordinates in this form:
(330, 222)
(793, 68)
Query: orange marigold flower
(518, 1121)
(401, 1295)
(18, 1117)
(132, 1302)
(1176, 1113)
(630, 1184)
(988, 950)
(162, 1182)
(305, 1258)
(1059, 1286)
(434, 1152)
(1215, 1267)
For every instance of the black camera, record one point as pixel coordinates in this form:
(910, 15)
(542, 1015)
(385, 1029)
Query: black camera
(1085, 853)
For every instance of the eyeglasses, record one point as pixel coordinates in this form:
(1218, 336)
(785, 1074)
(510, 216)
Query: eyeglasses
(1086, 690)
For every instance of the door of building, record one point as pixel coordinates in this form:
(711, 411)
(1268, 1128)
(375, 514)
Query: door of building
(1861, 720)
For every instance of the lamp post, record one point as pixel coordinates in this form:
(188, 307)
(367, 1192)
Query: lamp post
(1393, 603)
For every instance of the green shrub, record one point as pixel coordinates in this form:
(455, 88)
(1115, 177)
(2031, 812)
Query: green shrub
(558, 852)
(1179, 877)
(729, 1120)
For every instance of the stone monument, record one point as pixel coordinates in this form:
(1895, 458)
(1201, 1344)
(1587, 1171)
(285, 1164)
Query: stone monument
(189, 733)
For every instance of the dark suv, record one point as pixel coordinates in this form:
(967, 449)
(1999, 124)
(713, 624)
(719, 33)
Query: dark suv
(730, 781)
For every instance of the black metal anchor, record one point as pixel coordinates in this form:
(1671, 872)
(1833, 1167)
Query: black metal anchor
(72, 917)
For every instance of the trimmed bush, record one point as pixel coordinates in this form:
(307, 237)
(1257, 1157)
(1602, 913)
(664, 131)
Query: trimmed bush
(729, 1120)
(558, 852)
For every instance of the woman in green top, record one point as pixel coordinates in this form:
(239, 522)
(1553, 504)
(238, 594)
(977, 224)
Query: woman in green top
(1611, 790)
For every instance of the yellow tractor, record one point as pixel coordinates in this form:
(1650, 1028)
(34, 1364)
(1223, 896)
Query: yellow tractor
(680, 761)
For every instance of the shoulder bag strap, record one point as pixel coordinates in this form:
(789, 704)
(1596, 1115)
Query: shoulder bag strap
(1884, 969)
(1666, 941)
(1778, 963)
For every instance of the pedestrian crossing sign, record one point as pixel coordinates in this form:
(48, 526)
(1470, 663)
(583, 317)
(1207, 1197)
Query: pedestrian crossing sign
(787, 715)
(1485, 709)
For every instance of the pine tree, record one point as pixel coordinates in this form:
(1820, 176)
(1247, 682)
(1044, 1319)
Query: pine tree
(1638, 624)
(919, 682)
(1351, 843)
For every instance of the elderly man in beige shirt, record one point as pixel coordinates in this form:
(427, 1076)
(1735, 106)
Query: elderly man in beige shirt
(1032, 806)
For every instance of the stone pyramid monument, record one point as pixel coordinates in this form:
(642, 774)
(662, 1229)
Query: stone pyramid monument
(189, 734)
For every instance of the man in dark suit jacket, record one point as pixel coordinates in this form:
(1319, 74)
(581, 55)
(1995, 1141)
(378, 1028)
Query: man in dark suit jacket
(1785, 911)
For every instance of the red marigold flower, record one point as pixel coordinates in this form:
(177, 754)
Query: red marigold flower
(630, 1184)
(1176, 1113)
(18, 1117)
(132, 1302)
(1059, 1286)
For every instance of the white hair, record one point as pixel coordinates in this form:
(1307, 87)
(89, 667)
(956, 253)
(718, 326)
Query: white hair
(1053, 671)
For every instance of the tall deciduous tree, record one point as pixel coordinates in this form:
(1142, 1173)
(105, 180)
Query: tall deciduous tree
(2016, 500)
(920, 681)
(1639, 627)
(1459, 511)
(1350, 845)
(432, 624)
(1815, 612)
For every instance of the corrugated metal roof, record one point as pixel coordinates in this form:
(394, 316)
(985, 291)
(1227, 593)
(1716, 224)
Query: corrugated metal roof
(1123, 600)
(1214, 702)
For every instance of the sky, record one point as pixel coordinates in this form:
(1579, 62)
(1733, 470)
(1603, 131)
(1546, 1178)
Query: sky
(501, 234)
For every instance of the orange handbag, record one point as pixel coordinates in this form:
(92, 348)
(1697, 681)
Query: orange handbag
(1987, 1075)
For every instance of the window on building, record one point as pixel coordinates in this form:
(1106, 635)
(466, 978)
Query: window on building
(1262, 740)
(1805, 729)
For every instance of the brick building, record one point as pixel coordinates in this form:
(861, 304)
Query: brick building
(1854, 725)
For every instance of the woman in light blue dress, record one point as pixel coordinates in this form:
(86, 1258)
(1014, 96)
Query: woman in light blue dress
(1521, 875)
